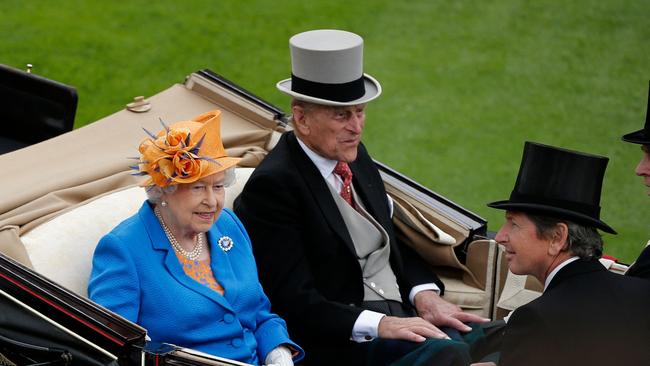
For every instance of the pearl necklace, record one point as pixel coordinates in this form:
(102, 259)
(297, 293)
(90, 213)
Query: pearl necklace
(193, 254)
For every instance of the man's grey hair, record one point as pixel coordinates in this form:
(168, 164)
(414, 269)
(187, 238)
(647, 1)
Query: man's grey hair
(155, 193)
(306, 106)
(583, 241)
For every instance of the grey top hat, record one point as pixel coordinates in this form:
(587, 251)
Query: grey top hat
(641, 136)
(327, 68)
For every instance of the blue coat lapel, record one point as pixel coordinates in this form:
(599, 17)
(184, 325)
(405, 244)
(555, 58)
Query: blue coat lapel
(160, 242)
(222, 266)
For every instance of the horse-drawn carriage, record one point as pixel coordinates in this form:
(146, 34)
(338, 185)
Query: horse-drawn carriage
(59, 196)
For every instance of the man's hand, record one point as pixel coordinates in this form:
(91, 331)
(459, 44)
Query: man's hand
(439, 312)
(411, 329)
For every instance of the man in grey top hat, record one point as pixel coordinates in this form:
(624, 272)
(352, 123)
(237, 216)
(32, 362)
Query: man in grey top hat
(586, 315)
(641, 267)
(320, 220)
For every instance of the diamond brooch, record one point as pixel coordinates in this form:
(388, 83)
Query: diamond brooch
(225, 243)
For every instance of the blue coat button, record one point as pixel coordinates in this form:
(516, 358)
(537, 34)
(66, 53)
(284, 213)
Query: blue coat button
(236, 342)
(228, 318)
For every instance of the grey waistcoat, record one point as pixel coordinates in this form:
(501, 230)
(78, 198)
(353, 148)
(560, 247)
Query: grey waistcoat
(371, 243)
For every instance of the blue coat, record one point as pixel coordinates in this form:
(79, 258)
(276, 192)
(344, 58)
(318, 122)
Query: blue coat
(137, 275)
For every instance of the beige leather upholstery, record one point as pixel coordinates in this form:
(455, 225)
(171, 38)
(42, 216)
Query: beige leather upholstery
(50, 177)
(59, 202)
(434, 237)
(461, 288)
(74, 234)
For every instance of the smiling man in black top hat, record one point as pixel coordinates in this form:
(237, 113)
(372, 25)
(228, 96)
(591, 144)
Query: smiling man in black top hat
(641, 267)
(586, 314)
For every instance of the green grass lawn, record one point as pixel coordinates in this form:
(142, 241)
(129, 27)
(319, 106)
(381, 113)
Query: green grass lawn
(465, 82)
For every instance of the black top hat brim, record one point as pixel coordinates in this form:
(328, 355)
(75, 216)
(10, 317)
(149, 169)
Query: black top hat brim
(560, 213)
(642, 136)
(637, 137)
(371, 86)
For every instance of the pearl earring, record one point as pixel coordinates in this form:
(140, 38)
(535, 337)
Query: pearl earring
(163, 204)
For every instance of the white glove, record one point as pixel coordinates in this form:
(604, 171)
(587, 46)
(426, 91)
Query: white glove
(279, 356)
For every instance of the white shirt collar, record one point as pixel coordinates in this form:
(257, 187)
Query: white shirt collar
(557, 269)
(324, 165)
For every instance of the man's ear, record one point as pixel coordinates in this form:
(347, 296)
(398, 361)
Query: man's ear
(560, 240)
(300, 120)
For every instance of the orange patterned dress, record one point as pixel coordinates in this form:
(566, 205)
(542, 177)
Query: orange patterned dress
(201, 272)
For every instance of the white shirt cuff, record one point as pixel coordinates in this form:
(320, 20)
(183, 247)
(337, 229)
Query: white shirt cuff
(366, 327)
(419, 288)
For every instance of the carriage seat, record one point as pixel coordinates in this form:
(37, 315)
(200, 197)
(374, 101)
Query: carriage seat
(62, 248)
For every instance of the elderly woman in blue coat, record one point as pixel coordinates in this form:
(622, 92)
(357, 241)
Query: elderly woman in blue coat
(182, 267)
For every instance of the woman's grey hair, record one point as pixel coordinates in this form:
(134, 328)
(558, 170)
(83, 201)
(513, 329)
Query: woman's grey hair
(154, 192)
(583, 241)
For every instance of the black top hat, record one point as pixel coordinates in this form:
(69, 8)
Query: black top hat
(641, 136)
(559, 183)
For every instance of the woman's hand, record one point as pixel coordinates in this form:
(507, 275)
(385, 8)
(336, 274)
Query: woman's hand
(279, 356)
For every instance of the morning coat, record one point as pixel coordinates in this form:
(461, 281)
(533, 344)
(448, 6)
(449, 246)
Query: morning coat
(641, 267)
(305, 254)
(586, 316)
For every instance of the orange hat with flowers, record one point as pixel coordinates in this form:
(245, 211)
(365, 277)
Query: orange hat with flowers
(184, 152)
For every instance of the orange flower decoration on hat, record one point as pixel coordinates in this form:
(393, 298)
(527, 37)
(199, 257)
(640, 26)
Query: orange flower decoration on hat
(184, 152)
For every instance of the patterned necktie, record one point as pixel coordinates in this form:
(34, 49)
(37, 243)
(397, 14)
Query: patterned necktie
(343, 171)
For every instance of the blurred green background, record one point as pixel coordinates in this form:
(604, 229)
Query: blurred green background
(465, 82)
